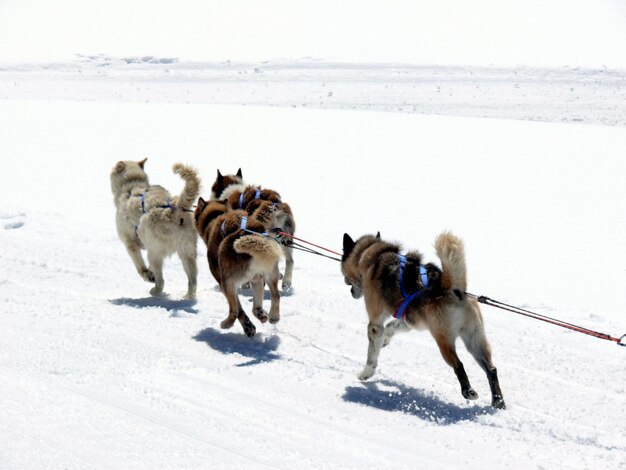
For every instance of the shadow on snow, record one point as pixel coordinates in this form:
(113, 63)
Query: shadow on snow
(388, 395)
(259, 349)
(170, 305)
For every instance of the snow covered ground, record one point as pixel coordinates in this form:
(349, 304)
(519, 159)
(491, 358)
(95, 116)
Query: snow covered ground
(95, 373)
(555, 94)
(366, 116)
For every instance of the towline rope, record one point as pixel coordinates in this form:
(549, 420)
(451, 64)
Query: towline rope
(309, 243)
(554, 321)
(279, 238)
(306, 249)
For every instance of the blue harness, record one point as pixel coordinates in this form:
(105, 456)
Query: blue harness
(399, 313)
(243, 226)
(143, 209)
(257, 195)
(164, 206)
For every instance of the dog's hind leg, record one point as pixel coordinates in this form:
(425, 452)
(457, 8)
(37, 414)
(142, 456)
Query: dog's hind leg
(191, 269)
(235, 312)
(393, 327)
(134, 251)
(156, 266)
(257, 284)
(448, 351)
(272, 283)
(476, 343)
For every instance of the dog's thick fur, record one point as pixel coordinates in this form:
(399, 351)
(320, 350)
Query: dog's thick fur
(236, 256)
(229, 189)
(371, 267)
(161, 230)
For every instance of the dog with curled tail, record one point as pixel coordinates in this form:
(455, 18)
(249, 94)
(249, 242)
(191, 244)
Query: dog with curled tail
(239, 251)
(237, 195)
(419, 296)
(148, 217)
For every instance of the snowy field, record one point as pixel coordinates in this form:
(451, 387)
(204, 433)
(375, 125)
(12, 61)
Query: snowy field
(553, 94)
(97, 374)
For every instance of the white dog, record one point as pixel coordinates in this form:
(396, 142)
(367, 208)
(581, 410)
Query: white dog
(148, 217)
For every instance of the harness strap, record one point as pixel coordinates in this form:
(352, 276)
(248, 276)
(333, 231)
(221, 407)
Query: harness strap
(168, 205)
(264, 234)
(243, 226)
(164, 206)
(408, 298)
(424, 276)
(257, 195)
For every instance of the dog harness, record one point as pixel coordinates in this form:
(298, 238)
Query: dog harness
(408, 298)
(257, 195)
(164, 206)
(243, 226)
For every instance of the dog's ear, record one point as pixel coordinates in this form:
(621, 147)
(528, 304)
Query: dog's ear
(239, 173)
(219, 176)
(378, 235)
(142, 162)
(121, 166)
(201, 204)
(348, 244)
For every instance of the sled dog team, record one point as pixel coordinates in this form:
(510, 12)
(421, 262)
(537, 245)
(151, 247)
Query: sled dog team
(239, 224)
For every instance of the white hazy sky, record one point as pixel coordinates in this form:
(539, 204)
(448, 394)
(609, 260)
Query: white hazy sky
(480, 32)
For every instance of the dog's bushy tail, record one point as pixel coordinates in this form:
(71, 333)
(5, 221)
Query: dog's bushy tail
(265, 251)
(191, 190)
(451, 252)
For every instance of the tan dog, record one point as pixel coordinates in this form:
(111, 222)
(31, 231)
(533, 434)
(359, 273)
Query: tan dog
(232, 190)
(148, 217)
(236, 256)
(419, 297)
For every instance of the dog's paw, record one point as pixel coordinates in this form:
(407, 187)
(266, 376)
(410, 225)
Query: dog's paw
(156, 292)
(470, 394)
(249, 329)
(287, 287)
(366, 373)
(227, 323)
(274, 319)
(260, 314)
(190, 296)
(498, 403)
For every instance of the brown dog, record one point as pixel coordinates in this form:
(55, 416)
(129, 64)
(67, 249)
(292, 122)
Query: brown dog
(236, 256)
(232, 190)
(419, 297)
